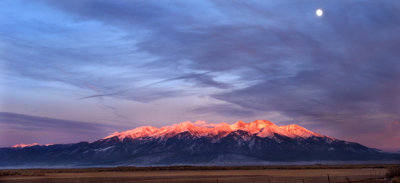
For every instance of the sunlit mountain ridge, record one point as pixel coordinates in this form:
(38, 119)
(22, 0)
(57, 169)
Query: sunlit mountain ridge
(261, 128)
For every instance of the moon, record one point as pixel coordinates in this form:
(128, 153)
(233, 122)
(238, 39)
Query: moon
(319, 12)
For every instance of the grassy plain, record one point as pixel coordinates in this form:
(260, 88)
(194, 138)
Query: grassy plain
(201, 174)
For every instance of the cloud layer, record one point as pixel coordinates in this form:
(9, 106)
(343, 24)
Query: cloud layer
(338, 73)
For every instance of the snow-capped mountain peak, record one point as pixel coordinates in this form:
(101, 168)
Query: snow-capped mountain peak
(261, 128)
(142, 131)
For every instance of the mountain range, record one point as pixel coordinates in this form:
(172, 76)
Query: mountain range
(200, 143)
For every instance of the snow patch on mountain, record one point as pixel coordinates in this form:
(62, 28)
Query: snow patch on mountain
(299, 131)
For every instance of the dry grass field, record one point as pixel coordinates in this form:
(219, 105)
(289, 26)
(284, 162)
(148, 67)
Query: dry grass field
(183, 174)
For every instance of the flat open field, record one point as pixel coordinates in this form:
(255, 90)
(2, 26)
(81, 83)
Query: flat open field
(259, 174)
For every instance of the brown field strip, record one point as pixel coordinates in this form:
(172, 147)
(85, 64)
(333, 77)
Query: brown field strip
(252, 175)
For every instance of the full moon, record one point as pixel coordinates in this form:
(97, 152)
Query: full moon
(319, 12)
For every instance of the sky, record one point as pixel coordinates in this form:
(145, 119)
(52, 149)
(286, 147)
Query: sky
(78, 70)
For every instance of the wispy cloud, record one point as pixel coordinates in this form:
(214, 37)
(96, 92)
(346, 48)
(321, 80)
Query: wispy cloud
(14, 121)
(20, 128)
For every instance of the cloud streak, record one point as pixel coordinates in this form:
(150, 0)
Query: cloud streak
(16, 128)
(15, 121)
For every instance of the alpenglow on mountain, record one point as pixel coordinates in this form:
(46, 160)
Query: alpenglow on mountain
(260, 128)
(257, 142)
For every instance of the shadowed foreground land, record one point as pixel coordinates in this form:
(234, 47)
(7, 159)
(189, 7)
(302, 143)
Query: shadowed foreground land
(180, 174)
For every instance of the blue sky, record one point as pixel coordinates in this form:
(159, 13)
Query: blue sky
(116, 65)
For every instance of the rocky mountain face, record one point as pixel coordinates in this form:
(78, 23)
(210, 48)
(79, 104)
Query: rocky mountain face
(257, 142)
